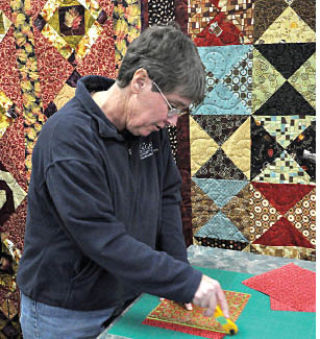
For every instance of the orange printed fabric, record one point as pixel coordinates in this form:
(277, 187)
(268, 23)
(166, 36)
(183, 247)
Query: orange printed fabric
(173, 316)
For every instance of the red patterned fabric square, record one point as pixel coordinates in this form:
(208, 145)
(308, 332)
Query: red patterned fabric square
(290, 288)
(277, 305)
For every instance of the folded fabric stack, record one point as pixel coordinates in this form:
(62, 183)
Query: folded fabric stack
(172, 316)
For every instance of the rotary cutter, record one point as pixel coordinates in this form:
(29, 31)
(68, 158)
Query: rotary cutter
(229, 326)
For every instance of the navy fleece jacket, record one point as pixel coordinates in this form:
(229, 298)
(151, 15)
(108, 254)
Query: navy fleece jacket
(103, 217)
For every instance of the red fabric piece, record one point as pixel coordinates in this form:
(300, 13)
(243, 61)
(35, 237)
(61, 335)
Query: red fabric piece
(289, 285)
(185, 329)
(230, 34)
(9, 74)
(36, 7)
(100, 60)
(54, 69)
(283, 233)
(215, 3)
(283, 196)
(277, 305)
(15, 225)
(12, 152)
(107, 6)
(5, 7)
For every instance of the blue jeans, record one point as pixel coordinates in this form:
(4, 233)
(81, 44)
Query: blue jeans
(40, 320)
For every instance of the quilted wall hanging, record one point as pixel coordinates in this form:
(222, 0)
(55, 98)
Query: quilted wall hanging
(246, 155)
(252, 140)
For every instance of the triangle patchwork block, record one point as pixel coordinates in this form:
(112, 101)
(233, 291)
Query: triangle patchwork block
(264, 148)
(304, 80)
(202, 146)
(221, 101)
(261, 213)
(306, 10)
(284, 170)
(220, 62)
(239, 210)
(220, 127)
(303, 150)
(220, 191)
(288, 28)
(283, 233)
(283, 196)
(238, 148)
(265, 13)
(220, 59)
(303, 216)
(222, 228)
(287, 58)
(285, 128)
(266, 80)
(286, 101)
(203, 208)
(219, 166)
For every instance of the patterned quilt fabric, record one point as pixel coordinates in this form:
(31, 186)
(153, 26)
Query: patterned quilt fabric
(291, 288)
(246, 154)
(252, 140)
(173, 316)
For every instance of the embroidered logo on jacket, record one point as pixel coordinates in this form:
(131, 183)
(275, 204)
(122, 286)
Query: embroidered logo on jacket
(145, 150)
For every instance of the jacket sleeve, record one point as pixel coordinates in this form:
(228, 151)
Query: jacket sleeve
(171, 238)
(87, 216)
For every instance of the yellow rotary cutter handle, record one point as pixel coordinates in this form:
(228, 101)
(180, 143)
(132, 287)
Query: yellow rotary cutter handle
(228, 325)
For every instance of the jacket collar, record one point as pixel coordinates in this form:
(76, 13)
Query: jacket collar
(85, 86)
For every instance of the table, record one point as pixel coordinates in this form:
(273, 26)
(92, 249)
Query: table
(227, 260)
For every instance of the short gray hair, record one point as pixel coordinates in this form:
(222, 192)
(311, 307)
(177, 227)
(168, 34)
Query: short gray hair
(171, 60)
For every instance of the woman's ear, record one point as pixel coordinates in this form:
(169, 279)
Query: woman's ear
(139, 80)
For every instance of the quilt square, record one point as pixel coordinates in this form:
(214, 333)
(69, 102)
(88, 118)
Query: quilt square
(229, 80)
(173, 316)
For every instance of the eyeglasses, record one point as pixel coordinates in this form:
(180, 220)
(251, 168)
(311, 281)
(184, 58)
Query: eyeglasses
(172, 111)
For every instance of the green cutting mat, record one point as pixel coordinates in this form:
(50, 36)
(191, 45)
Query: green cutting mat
(257, 321)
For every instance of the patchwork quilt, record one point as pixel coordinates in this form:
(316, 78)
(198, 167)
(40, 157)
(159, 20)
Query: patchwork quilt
(246, 154)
